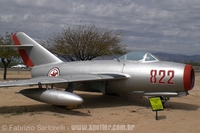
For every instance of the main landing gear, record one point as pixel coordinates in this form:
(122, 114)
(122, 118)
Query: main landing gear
(164, 100)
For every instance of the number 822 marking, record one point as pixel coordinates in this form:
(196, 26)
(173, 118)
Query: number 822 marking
(158, 76)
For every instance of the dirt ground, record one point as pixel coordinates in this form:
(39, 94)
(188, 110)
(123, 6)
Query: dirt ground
(126, 113)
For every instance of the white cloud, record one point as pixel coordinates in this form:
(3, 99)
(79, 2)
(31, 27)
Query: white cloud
(150, 25)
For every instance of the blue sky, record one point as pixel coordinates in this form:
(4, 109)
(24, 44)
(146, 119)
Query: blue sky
(171, 26)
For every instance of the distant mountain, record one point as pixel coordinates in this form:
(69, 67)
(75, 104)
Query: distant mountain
(177, 57)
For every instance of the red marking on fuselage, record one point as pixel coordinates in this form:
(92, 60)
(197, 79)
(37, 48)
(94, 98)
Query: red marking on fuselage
(54, 72)
(157, 76)
(188, 77)
(22, 52)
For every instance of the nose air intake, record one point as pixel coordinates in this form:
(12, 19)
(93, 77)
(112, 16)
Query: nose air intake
(189, 77)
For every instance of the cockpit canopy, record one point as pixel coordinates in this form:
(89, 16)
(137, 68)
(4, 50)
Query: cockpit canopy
(139, 56)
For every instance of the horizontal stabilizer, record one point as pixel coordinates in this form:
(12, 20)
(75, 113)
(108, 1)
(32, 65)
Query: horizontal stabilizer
(18, 46)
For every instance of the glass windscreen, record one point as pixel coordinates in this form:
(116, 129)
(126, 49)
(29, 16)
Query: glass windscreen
(139, 56)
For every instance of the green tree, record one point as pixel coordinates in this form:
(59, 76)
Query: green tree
(7, 54)
(85, 43)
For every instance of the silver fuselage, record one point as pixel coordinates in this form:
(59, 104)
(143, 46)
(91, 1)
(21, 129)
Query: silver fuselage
(139, 75)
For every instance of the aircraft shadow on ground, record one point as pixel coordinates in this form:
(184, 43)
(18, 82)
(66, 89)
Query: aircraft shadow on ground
(39, 109)
(181, 106)
(94, 101)
(106, 101)
(103, 101)
(90, 101)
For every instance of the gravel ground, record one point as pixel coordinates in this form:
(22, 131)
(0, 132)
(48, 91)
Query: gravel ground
(126, 113)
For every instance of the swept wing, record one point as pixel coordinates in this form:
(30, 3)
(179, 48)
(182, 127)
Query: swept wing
(46, 80)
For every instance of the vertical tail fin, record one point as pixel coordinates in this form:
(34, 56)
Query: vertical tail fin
(34, 54)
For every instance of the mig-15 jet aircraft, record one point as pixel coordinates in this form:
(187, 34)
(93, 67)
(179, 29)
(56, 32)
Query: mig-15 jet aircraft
(136, 72)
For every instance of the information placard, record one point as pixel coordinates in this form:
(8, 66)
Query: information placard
(156, 103)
